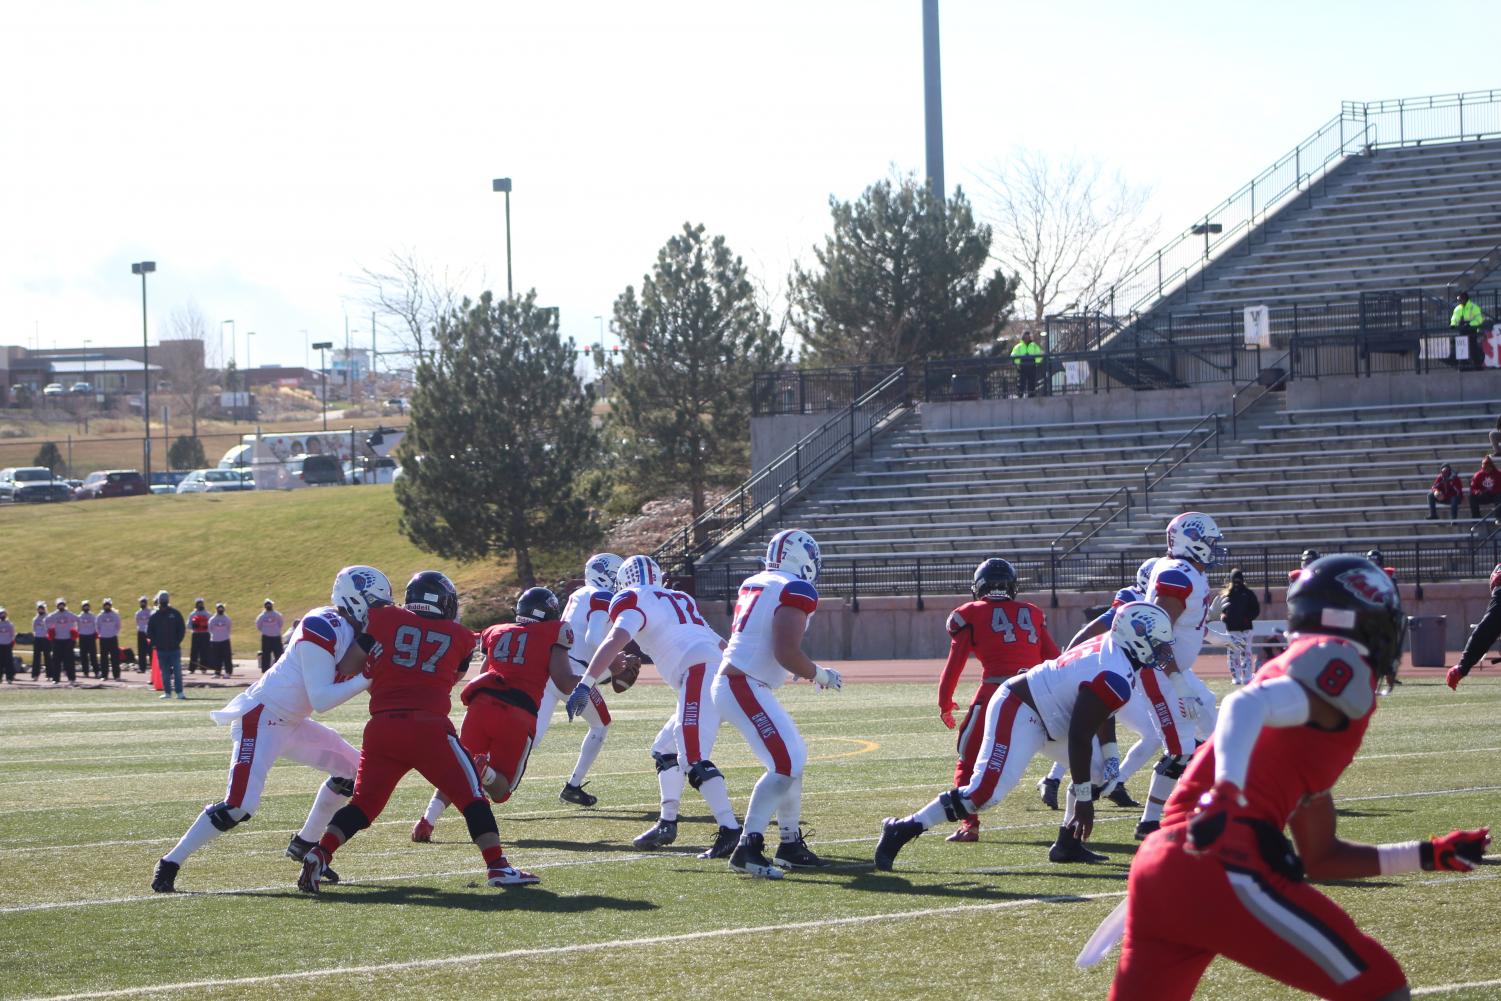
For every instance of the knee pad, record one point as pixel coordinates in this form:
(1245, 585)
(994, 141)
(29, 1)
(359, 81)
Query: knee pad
(665, 762)
(225, 817)
(480, 819)
(1171, 766)
(953, 805)
(340, 787)
(349, 821)
(702, 772)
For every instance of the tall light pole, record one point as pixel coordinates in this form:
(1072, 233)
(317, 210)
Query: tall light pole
(144, 268)
(321, 347)
(224, 362)
(504, 184)
(248, 334)
(933, 100)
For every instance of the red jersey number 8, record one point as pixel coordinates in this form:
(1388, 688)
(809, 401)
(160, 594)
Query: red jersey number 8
(1335, 677)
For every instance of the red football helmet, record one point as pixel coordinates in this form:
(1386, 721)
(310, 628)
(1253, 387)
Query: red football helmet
(1496, 577)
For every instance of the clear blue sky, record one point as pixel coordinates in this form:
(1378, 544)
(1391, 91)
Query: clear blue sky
(261, 154)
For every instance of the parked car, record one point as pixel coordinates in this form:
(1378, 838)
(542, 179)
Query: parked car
(29, 484)
(213, 481)
(165, 481)
(53, 389)
(112, 483)
(80, 387)
(316, 470)
(382, 470)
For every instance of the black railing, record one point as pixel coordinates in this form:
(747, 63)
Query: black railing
(813, 390)
(1120, 498)
(757, 503)
(1206, 436)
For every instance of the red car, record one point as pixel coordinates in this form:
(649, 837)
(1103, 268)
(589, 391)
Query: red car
(111, 483)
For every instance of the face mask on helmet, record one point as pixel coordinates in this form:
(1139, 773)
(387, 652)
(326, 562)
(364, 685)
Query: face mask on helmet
(602, 571)
(1143, 632)
(794, 552)
(640, 571)
(1195, 536)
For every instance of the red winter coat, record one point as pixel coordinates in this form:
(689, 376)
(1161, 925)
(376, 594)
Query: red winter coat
(1487, 480)
(1447, 488)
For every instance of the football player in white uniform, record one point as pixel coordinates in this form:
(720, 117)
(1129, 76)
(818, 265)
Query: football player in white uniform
(1184, 709)
(766, 644)
(272, 719)
(666, 624)
(1057, 708)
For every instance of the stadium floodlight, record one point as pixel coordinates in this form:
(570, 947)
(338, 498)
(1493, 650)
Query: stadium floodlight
(144, 268)
(1204, 229)
(321, 347)
(503, 184)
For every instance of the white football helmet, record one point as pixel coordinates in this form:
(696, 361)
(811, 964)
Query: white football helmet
(601, 571)
(1142, 630)
(793, 551)
(639, 571)
(358, 587)
(1144, 575)
(1195, 536)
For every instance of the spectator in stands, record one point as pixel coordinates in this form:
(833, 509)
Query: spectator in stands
(165, 631)
(1448, 489)
(1309, 555)
(1238, 611)
(219, 654)
(268, 623)
(1485, 487)
(1468, 320)
(1026, 355)
(7, 647)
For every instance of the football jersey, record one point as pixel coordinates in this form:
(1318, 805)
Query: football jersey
(750, 648)
(518, 656)
(1006, 636)
(284, 688)
(1179, 579)
(1096, 664)
(668, 627)
(588, 615)
(416, 660)
(1291, 763)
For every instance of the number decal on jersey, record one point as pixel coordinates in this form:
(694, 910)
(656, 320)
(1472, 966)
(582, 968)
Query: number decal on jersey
(749, 595)
(1335, 677)
(502, 651)
(683, 605)
(1001, 625)
(408, 643)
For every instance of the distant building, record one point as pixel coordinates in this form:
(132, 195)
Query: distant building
(349, 365)
(295, 377)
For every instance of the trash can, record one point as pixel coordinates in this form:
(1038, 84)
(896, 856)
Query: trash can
(1426, 633)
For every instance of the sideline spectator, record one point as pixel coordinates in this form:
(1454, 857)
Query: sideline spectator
(1239, 611)
(1485, 487)
(198, 648)
(109, 640)
(1469, 320)
(1448, 489)
(1374, 555)
(1309, 555)
(41, 647)
(218, 642)
(165, 631)
(62, 631)
(1495, 437)
(1026, 355)
(7, 647)
(143, 641)
(268, 623)
(1481, 637)
(88, 642)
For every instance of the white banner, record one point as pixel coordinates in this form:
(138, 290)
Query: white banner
(1258, 326)
(1462, 348)
(1075, 373)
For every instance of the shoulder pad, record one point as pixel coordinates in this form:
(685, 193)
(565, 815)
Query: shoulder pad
(1337, 673)
(622, 601)
(956, 623)
(800, 595)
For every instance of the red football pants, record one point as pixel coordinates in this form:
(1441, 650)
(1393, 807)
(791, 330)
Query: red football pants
(1184, 910)
(972, 734)
(504, 732)
(399, 742)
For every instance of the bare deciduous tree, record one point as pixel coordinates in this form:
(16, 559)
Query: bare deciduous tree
(1065, 226)
(412, 295)
(183, 365)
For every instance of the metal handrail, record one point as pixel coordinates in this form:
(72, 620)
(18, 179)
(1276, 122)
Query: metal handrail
(1091, 513)
(1465, 280)
(1266, 387)
(1147, 483)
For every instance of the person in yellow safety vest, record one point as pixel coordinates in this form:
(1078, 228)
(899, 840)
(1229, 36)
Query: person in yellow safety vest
(1026, 355)
(1468, 319)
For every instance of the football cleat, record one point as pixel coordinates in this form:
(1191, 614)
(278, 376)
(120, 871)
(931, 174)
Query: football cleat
(1068, 848)
(1048, 788)
(659, 835)
(576, 794)
(1120, 797)
(507, 874)
(894, 834)
(967, 832)
(796, 854)
(164, 880)
(1145, 828)
(422, 832)
(313, 865)
(724, 843)
(749, 857)
(298, 848)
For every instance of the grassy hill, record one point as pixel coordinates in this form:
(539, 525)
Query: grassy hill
(236, 548)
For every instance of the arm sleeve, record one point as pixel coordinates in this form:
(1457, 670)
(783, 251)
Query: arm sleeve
(1484, 634)
(323, 692)
(1277, 702)
(960, 641)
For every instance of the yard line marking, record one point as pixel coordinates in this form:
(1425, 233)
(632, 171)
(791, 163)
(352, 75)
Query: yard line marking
(1451, 988)
(585, 947)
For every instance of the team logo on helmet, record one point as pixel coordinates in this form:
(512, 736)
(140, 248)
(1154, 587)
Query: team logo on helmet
(1372, 589)
(362, 579)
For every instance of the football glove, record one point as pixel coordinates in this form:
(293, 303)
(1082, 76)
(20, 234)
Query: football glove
(1457, 851)
(946, 713)
(578, 700)
(1212, 816)
(625, 675)
(1186, 698)
(826, 677)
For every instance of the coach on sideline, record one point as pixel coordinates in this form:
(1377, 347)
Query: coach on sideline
(165, 631)
(268, 623)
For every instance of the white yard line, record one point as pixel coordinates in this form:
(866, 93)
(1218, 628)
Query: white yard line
(1451, 988)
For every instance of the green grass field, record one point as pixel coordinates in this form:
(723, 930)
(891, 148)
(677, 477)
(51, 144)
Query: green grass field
(94, 786)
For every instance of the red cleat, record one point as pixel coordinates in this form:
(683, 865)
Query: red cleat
(423, 832)
(969, 830)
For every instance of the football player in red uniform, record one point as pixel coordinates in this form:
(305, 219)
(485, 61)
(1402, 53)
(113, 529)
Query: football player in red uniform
(1219, 878)
(1007, 637)
(417, 653)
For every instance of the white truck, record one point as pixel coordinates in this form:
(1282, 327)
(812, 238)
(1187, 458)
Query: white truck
(270, 456)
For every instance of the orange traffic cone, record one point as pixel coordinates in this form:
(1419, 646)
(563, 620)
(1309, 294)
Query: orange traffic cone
(156, 673)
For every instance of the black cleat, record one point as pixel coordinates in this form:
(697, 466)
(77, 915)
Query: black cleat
(724, 843)
(297, 848)
(1049, 790)
(576, 794)
(1145, 828)
(660, 835)
(1068, 848)
(750, 858)
(164, 880)
(894, 834)
(797, 855)
(1120, 797)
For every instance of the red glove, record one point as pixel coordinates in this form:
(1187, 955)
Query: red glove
(946, 713)
(1457, 851)
(1454, 676)
(1212, 816)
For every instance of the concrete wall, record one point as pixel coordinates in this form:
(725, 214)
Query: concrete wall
(893, 628)
(1195, 401)
(1393, 387)
(771, 436)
